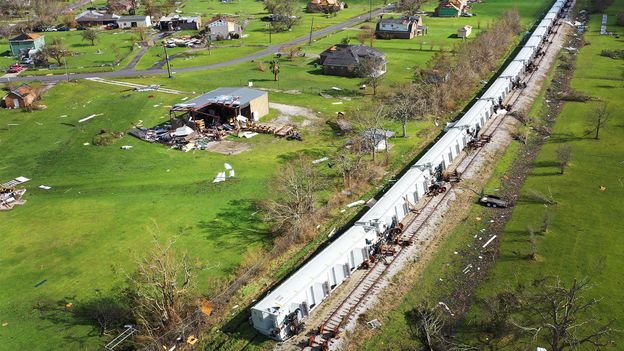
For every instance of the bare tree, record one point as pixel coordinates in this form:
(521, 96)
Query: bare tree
(367, 34)
(160, 291)
(349, 163)
(294, 208)
(56, 50)
(564, 152)
(372, 69)
(370, 121)
(286, 13)
(407, 103)
(563, 317)
(601, 115)
(426, 325)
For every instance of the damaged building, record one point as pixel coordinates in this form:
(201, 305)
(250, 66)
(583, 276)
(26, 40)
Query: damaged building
(209, 118)
(224, 105)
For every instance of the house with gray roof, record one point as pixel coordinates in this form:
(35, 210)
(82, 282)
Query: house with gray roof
(347, 60)
(224, 104)
(400, 28)
(94, 18)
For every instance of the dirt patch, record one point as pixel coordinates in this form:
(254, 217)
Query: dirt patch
(288, 113)
(227, 147)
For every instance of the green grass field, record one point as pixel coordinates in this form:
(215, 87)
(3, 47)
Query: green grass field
(584, 237)
(88, 229)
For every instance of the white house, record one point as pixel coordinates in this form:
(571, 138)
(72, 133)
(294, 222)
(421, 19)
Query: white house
(134, 22)
(223, 28)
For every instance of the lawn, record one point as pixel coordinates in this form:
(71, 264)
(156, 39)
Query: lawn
(584, 238)
(91, 58)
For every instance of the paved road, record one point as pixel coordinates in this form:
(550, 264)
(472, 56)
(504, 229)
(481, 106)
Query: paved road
(272, 49)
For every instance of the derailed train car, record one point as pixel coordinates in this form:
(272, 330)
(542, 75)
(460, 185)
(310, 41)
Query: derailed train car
(280, 313)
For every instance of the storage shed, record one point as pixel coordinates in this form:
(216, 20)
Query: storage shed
(464, 32)
(224, 104)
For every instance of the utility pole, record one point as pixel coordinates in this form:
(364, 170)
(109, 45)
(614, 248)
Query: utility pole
(167, 60)
(311, 29)
(270, 31)
(66, 69)
(370, 10)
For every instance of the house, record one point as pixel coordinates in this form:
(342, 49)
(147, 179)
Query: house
(400, 28)
(325, 6)
(94, 18)
(22, 96)
(345, 60)
(223, 105)
(464, 32)
(134, 22)
(450, 8)
(177, 22)
(223, 28)
(377, 138)
(26, 44)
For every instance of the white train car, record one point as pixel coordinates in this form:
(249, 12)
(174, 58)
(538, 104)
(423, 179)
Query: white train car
(306, 288)
(311, 284)
(395, 204)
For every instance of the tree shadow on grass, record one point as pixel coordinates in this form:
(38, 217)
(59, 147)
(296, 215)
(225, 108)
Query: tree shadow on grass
(240, 224)
(545, 164)
(560, 138)
(106, 314)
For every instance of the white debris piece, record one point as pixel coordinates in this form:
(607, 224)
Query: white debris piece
(45, 187)
(356, 203)
(219, 178)
(489, 241)
(89, 117)
(323, 159)
(126, 147)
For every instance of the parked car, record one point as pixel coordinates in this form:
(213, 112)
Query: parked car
(15, 68)
(111, 26)
(62, 28)
(467, 14)
(493, 201)
(81, 28)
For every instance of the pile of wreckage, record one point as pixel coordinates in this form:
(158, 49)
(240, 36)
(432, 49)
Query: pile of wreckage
(212, 117)
(11, 196)
(183, 41)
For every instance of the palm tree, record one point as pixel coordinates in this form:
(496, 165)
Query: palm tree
(275, 69)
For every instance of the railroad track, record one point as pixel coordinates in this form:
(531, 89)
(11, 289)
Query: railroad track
(370, 282)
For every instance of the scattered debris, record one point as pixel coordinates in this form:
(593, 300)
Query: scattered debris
(602, 188)
(45, 187)
(126, 147)
(89, 117)
(41, 283)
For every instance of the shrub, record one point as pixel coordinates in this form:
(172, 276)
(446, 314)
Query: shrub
(620, 19)
(614, 54)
